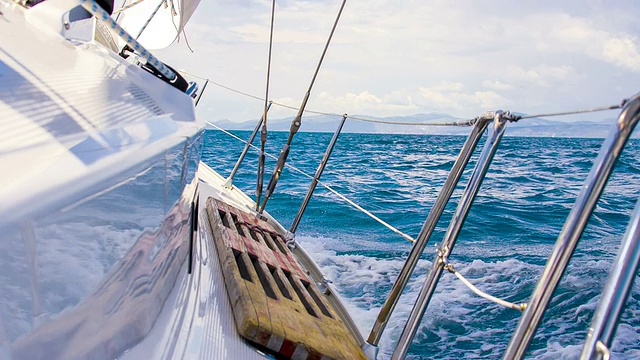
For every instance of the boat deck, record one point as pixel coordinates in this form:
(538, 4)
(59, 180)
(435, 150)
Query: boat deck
(198, 310)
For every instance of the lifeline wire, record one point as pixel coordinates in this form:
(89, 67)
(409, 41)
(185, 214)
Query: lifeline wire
(603, 108)
(382, 222)
(296, 122)
(263, 131)
(463, 122)
(467, 122)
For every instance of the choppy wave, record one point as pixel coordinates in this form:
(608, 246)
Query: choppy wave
(502, 248)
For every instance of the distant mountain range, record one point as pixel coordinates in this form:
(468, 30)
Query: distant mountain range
(526, 127)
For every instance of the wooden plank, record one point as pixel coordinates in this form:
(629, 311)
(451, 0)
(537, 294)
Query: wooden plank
(284, 312)
(234, 238)
(243, 310)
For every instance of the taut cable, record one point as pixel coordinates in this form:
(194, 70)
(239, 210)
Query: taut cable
(326, 186)
(263, 132)
(447, 122)
(297, 121)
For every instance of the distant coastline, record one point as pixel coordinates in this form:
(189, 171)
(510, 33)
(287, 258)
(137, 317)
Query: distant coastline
(534, 127)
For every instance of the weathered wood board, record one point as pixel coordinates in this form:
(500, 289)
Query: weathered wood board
(274, 302)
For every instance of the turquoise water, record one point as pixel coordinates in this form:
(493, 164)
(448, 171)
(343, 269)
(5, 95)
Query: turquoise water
(513, 224)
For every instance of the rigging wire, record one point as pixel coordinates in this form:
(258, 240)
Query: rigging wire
(297, 121)
(464, 122)
(461, 122)
(325, 185)
(467, 122)
(602, 108)
(263, 131)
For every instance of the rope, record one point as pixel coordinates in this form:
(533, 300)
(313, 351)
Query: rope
(127, 7)
(97, 11)
(382, 222)
(603, 349)
(153, 14)
(186, 40)
(520, 307)
(468, 122)
(234, 90)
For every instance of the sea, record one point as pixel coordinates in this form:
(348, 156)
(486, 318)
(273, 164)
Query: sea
(513, 224)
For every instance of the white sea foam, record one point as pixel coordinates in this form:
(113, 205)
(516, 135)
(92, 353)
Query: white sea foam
(358, 276)
(458, 323)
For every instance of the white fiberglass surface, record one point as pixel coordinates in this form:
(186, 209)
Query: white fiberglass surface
(97, 167)
(74, 114)
(102, 266)
(197, 321)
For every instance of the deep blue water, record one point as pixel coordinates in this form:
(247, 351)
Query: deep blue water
(513, 224)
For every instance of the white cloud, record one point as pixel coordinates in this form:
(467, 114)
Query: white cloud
(451, 99)
(490, 100)
(439, 100)
(561, 33)
(401, 58)
(622, 51)
(256, 33)
(496, 85)
(542, 75)
(400, 98)
(395, 103)
(449, 86)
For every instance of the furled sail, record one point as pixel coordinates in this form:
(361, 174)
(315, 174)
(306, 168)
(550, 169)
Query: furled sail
(156, 23)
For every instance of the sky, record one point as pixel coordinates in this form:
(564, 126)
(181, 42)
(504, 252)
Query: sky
(400, 58)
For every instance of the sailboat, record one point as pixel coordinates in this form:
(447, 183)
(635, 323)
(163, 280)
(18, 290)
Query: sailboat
(118, 242)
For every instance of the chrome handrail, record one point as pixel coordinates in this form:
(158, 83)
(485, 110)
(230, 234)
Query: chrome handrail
(573, 228)
(615, 293)
(470, 192)
(427, 229)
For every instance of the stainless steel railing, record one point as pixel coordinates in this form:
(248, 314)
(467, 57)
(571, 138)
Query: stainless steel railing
(427, 229)
(615, 293)
(450, 237)
(572, 230)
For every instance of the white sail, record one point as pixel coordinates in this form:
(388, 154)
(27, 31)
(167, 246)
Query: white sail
(165, 25)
